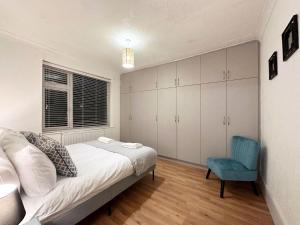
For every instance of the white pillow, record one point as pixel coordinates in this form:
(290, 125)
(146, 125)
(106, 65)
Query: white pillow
(36, 172)
(3, 132)
(8, 174)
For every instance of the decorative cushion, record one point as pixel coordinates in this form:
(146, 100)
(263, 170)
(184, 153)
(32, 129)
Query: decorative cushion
(230, 169)
(56, 152)
(8, 175)
(36, 172)
(30, 136)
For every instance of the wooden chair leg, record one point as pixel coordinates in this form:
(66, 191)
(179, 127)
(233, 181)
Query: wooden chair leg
(208, 172)
(222, 189)
(254, 188)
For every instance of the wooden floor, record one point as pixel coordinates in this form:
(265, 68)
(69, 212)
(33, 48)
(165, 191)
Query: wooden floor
(180, 194)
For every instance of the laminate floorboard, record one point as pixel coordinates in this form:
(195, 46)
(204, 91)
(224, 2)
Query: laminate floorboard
(180, 195)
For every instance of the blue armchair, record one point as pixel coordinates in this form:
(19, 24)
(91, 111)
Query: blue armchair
(241, 166)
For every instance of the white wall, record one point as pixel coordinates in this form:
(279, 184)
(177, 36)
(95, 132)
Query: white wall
(280, 120)
(21, 83)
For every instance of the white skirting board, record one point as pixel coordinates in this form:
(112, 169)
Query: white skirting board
(199, 166)
(275, 213)
(77, 136)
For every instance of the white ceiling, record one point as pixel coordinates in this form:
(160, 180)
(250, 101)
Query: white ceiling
(161, 30)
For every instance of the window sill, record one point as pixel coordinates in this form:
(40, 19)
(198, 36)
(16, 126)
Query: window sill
(76, 130)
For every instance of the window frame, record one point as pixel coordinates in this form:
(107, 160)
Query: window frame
(50, 85)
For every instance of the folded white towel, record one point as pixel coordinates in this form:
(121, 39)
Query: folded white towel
(132, 145)
(105, 140)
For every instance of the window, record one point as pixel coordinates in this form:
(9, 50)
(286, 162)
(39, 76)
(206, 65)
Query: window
(56, 108)
(89, 101)
(73, 100)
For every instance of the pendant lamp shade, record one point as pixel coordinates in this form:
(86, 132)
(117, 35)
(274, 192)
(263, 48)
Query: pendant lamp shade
(128, 58)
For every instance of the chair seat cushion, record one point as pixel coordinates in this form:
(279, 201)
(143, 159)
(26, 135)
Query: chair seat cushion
(230, 169)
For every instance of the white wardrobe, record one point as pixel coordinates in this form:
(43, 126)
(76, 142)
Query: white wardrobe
(190, 109)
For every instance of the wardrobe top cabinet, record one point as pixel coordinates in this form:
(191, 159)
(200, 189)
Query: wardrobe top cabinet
(166, 75)
(188, 71)
(144, 80)
(213, 66)
(234, 63)
(242, 61)
(125, 83)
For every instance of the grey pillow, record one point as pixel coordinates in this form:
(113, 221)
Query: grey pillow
(56, 152)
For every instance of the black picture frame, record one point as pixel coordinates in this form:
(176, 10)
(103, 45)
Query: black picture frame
(273, 66)
(290, 38)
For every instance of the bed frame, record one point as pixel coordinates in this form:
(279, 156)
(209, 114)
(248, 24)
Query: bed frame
(81, 211)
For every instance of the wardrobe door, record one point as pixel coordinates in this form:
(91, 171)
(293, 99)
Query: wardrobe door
(148, 126)
(166, 138)
(188, 123)
(213, 66)
(188, 71)
(136, 117)
(125, 108)
(242, 61)
(125, 82)
(213, 120)
(143, 80)
(242, 109)
(166, 75)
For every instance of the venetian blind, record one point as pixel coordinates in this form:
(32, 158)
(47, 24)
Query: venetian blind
(73, 100)
(89, 101)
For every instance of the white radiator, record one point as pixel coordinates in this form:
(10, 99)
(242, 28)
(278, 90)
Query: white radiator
(78, 136)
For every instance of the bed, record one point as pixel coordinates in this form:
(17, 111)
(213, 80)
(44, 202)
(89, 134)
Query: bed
(102, 175)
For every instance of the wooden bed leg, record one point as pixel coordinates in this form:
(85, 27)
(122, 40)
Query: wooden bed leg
(152, 174)
(109, 209)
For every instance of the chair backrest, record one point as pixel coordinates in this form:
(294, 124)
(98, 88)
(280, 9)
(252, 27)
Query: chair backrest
(245, 151)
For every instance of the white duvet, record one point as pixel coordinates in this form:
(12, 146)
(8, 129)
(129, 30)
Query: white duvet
(97, 170)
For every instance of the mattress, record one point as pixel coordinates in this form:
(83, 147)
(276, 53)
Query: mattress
(141, 158)
(98, 169)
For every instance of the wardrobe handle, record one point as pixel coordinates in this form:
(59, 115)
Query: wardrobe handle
(156, 118)
(175, 119)
(228, 120)
(228, 74)
(224, 120)
(175, 82)
(224, 75)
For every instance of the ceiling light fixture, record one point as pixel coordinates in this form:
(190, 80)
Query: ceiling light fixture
(128, 56)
